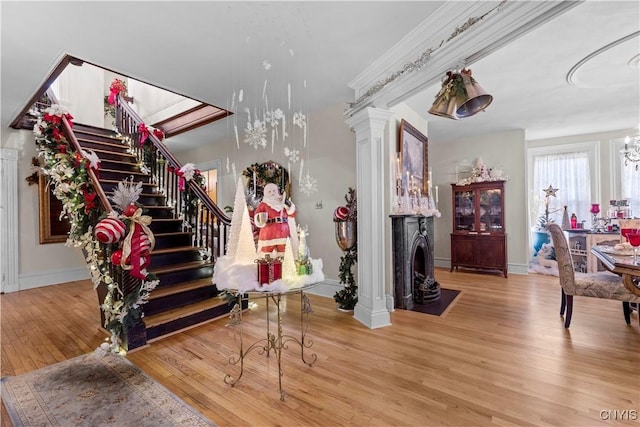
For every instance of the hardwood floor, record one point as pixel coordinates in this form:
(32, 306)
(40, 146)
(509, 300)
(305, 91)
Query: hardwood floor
(499, 356)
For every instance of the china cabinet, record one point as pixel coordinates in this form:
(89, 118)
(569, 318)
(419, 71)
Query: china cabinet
(479, 239)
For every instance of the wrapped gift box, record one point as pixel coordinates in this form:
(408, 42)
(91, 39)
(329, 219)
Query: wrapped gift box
(304, 267)
(269, 269)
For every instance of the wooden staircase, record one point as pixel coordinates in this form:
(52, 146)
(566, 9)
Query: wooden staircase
(185, 295)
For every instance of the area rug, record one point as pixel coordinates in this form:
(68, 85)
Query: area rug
(95, 389)
(439, 307)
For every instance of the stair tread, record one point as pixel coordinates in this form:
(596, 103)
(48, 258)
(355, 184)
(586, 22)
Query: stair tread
(125, 172)
(180, 267)
(175, 249)
(105, 143)
(182, 287)
(98, 151)
(185, 311)
(174, 233)
(110, 181)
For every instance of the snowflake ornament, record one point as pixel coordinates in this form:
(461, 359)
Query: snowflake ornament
(292, 154)
(308, 185)
(256, 134)
(300, 120)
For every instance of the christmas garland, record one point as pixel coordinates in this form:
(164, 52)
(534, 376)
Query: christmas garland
(68, 172)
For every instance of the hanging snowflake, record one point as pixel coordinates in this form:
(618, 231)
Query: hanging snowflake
(292, 154)
(300, 120)
(273, 117)
(256, 134)
(266, 64)
(308, 185)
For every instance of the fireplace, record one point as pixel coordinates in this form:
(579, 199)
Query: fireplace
(413, 260)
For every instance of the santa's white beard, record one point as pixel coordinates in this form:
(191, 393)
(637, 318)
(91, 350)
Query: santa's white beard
(274, 203)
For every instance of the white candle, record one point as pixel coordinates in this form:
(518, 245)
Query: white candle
(398, 171)
(436, 194)
(254, 182)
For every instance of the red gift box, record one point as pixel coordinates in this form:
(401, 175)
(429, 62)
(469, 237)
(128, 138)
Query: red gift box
(269, 269)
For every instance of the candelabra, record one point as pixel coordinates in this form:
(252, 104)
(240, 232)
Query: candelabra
(631, 152)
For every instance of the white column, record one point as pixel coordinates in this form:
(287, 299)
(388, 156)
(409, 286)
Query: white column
(369, 125)
(8, 220)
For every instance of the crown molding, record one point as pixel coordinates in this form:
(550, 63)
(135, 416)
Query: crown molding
(441, 43)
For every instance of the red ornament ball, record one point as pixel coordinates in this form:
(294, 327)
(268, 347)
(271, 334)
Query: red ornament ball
(109, 230)
(341, 213)
(130, 210)
(116, 257)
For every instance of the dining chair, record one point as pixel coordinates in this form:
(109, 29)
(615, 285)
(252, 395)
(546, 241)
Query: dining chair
(603, 284)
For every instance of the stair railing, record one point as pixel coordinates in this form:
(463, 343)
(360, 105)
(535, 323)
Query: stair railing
(201, 216)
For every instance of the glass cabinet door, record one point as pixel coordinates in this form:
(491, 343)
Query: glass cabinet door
(465, 211)
(491, 215)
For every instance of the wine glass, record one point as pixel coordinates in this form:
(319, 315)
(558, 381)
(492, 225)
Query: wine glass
(625, 231)
(634, 239)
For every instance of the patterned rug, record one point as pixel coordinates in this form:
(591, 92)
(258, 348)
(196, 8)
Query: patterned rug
(94, 390)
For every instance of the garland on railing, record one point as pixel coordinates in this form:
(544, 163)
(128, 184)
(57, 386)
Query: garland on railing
(68, 171)
(186, 173)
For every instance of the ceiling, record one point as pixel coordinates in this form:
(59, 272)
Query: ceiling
(211, 51)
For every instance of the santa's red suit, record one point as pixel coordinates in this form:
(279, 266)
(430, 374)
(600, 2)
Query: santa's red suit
(273, 236)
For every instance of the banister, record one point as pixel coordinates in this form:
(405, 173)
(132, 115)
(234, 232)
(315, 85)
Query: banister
(201, 194)
(68, 133)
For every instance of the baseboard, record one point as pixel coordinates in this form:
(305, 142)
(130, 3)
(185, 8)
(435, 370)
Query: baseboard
(326, 288)
(51, 277)
(522, 269)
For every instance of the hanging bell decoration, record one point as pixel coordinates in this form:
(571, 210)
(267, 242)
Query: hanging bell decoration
(446, 101)
(476, 98)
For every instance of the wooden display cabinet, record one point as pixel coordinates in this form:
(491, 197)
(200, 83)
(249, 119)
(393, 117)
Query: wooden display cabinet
(580, 243)
(479, 239)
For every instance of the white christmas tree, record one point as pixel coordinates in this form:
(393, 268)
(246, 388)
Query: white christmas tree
(241, 247)
(288, 264)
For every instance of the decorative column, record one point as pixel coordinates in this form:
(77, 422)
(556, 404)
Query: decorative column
(9, 220)
(369, 125)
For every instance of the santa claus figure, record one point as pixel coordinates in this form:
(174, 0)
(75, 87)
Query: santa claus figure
(275, 218)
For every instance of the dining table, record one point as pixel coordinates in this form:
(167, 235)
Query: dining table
(621, 262)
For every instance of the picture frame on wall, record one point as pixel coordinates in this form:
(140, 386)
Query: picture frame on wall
(53, 229)
(414, 158)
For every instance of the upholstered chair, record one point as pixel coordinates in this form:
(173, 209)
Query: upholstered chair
(597, 285)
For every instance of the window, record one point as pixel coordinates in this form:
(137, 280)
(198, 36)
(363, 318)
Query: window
(630, 186)
(569, 172)
(572, 168)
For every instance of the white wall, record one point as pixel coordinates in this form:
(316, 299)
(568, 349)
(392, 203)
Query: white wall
(80, 90)
(39, 265)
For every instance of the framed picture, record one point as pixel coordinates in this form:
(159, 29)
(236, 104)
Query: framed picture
(52, 228)
(413, 149)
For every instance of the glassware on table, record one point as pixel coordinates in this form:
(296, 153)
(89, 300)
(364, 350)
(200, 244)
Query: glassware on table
(634, 239)
(625, 232)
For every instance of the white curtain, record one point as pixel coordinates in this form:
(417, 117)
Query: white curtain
(569, 173)
(631, 186)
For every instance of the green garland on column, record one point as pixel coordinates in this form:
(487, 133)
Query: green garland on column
(347, 297)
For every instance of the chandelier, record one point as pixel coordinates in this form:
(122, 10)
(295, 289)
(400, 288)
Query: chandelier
(631, 152)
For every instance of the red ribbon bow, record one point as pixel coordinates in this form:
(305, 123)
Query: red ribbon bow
(144, 133)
